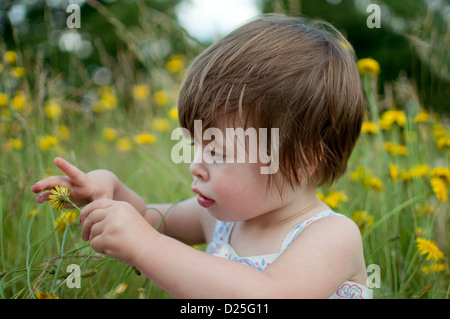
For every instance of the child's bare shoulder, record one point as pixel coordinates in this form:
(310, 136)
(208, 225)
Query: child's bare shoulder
(338, 228)
(335, 234)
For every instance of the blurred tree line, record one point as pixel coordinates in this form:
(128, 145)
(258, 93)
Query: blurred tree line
(414, 36)
(144, 32)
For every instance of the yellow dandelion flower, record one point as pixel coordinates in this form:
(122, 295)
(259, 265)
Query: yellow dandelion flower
(59, 197)
(63, 132)
(374, 183)
(320, 196)
(390, 147)
(396, 149)
(405, 177)
(442, 143)
(368, 66)
(399, 117)
(173, 113)
(16, 143)
(18, 72)
(369, 127)
(391, 117)
(1, 68)
(97, 107)
(46, 142)
(12, 143)
(3, 99)
(175, 63)
(441, 172)
(161, 98)
(358, 174)
(110, 134)
(53, 111)
(429, 248)
(44, 295)
(109, 101)
(439, 131)
(363, 220)
(334, 199)
(418, 231)
(34, 212)
(161, 124)
(422, 117)
(64, 219)
(439, 188)
(385, 124)
(10, 57)
(419, 171)
(434, 268)
(140, 92)
(4, 114)
(393, 172)
(145, 138)
(18, 101)
(123, 144)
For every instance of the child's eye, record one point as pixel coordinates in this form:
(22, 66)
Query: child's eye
(212, 152)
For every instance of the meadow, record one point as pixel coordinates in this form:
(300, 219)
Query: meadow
(395, 189)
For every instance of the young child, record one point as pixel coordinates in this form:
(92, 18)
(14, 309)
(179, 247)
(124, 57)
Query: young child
(269, 235)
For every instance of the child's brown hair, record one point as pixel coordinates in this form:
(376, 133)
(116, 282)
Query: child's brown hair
(287, 73)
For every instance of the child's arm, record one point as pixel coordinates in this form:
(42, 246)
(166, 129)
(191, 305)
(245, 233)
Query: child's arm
(181, 220)
(314, 266)
(185, 220)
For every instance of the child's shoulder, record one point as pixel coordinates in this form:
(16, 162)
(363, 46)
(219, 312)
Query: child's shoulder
(336, 226)
(325, 254)
(330, 232)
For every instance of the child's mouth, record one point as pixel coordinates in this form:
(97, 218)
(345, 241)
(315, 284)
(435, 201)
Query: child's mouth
(203, 200)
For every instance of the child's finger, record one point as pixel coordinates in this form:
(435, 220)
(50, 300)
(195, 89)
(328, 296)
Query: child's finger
(49, 183)
(97, 244)
(42, 197)
(89, 224)
(77, 176)
(95, 205)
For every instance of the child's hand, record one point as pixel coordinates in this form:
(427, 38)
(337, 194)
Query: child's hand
(84, 188)
(115, 228)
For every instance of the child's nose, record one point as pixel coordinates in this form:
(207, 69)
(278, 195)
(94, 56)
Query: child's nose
(198, 167)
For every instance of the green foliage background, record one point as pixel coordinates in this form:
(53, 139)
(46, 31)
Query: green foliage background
(413, 37)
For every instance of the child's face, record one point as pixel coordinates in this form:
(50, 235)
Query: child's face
(232, 190)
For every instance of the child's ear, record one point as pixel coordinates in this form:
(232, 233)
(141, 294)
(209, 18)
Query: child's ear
(309, 166)
(306, 172)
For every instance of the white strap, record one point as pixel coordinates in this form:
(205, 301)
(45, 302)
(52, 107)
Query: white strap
(293, 233)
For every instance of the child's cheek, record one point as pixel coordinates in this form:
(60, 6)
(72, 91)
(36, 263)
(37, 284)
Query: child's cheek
(224, 189)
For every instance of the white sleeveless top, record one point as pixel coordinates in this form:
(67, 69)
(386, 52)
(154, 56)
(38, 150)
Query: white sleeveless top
(220, 247)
